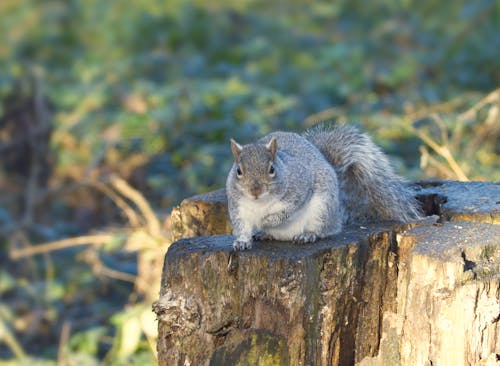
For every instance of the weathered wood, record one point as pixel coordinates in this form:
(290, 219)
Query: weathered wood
(461, 201)
(448, 297)
(313, 298)
(449, 294)
(385, 294)
(205, 214)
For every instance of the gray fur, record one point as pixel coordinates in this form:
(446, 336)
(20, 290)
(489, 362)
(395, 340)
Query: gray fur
(369, 188)
(317, 183)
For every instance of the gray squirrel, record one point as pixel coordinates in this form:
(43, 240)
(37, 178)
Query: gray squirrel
(303, 188)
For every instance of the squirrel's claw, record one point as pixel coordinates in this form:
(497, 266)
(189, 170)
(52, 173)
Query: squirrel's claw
(241, 244)
(305, 238)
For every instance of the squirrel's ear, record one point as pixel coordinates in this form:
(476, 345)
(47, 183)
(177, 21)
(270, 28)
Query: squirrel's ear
(236, 149)
(272, 146)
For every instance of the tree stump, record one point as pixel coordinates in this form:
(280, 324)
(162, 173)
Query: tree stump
(426, 293)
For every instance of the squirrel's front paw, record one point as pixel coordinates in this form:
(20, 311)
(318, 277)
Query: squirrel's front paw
(273, 220)
(305, 238)
(242, 244)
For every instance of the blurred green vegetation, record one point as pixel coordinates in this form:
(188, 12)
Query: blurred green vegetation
(152, 91)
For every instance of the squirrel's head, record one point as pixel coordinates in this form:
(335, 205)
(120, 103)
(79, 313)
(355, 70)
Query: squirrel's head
(255, 167)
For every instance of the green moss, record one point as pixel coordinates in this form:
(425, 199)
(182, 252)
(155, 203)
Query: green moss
(253, 347)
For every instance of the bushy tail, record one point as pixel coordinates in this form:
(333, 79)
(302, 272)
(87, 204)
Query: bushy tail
(369, 188)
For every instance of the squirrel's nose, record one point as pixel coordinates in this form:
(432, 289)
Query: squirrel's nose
(256, 190)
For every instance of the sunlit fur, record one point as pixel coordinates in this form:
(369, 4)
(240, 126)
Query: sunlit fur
(296, 202)
(369, 188)
(321, 180)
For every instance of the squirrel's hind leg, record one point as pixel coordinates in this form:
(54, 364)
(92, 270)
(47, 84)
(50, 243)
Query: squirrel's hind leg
(262, 236)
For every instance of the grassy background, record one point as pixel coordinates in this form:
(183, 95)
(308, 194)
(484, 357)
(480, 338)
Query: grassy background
(112, 112)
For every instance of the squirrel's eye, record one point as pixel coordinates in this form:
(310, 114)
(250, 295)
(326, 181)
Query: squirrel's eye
(239, 173)
(272, 171)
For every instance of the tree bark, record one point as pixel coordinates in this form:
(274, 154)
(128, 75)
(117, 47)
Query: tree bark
(426, 293)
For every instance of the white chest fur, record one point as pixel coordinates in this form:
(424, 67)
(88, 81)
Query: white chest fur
(308, 218)
(252, 212)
